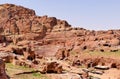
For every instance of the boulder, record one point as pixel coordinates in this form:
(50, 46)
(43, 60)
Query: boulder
(7, 57)
(52, 67)
(3, 74)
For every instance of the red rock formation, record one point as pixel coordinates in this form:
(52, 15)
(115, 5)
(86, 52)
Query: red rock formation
(52, 67)
(3, 74)
(18, 23)
(62, 53)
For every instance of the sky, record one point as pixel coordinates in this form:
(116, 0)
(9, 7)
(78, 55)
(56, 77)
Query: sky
(88, 14)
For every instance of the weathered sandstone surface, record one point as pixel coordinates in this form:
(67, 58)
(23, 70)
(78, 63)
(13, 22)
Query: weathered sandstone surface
(26, 39)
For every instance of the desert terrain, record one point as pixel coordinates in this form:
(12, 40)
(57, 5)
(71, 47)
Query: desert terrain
(43, 47)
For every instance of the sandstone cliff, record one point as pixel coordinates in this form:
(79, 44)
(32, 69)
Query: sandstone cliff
(18, 23)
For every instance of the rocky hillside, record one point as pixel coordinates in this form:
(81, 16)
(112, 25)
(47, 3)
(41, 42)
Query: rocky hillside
(18, 23)
(32, 41)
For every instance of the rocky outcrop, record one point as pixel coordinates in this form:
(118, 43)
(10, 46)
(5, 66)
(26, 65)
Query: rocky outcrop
(90, 62)
(52, 67)
(27, 40)
(3, 74)
(28, 53)
(18, 23)
(62, 53)
(19, 20)
(2, 39)
(6, 57)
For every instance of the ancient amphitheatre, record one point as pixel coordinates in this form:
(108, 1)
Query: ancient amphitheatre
(43, 47)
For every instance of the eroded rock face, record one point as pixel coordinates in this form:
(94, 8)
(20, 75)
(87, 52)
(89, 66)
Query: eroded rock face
(52, 67)
(51, 34)
(51, 37)
(29, 54)
(62, 53)
(76, 62)
(6, 57)
(3, 74)
(19, 23)
(19, 20)
(2, 38)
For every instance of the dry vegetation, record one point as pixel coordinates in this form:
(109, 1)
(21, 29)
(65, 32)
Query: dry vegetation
(20, 72)
(115, 55)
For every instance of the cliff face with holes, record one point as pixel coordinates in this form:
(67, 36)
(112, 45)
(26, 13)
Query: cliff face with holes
(19, 20)
(20, 23)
